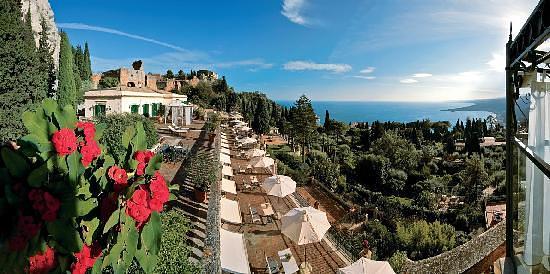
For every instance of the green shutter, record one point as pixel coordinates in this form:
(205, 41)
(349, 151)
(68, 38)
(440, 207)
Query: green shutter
(155, 109)
(99, 110)
(145, 109)
(134, 108)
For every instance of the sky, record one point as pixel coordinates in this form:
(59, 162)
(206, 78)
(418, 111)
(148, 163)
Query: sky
(345, 50)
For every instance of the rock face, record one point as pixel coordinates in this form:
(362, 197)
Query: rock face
(41, 9)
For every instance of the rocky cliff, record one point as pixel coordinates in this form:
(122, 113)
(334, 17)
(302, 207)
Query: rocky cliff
(41, 9)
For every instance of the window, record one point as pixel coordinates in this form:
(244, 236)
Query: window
(146, 109)
(99, 110)
(155, 108)
(134, 108)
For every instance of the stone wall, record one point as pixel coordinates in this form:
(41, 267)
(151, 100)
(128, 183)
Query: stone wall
(41, 9)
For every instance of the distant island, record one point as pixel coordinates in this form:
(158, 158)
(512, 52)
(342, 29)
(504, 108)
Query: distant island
(496, 106)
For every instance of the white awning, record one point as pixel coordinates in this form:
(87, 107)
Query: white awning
(225, 159)
(229, 211)
(227, 171)
(233, 255)
(229, 186)
(225, 145)
(225, 151)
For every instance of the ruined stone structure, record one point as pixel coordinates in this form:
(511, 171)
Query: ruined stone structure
(95, 80)
(134, 77)
(41, 9)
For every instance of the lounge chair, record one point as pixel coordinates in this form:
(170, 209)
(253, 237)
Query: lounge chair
(272, 265)
(254, 215)
(178, 131)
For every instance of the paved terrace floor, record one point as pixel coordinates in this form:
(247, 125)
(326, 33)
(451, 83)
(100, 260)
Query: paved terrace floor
(266, 239)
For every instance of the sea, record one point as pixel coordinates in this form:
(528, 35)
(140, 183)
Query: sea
(365, 111)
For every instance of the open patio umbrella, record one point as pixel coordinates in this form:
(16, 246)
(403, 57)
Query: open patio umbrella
(305, 225)
(255, 153)
(364, 266)
(245, 128)
(279, 185)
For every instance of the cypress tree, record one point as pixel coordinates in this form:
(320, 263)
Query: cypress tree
(47, 68)
(66, 92)
(327, 120)
(87, 63)
(20, 88)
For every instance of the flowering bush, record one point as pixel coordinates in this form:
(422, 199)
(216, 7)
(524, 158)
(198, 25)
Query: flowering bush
(67, 205)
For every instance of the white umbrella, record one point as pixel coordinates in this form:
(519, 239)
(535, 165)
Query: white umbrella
(279, 185)
(262, 162)
(245, 128)
(364, 266)
(255, 153)
(305, 225)
(247, 140)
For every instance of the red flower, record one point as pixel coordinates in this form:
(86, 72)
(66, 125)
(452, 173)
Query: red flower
(45, 203)
(138, 206)
(143, 156)
(159, 192)
(64, 141)
(120, 177)
(42, 263)
(85, 259)
(88, 128)
(140, 170)
(26, 229)
(89, 152)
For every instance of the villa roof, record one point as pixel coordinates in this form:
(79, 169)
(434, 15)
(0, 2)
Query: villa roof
(128, 91)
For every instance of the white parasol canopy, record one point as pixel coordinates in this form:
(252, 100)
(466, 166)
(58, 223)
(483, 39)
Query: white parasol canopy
(364, 266)
(227, 171)
(262, 162)
(225, 150)
(229, 186)
(245, 128)
(233, 255)
(279, 185)
(229, 211)
(225, 159)
(255, 153)
(305, 225)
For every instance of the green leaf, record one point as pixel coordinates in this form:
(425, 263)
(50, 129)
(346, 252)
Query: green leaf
(84, 207)
(36, 124)
(151, 233)
(75, 167)
(69, 116)
(40, 144)
(146, 261)
(50, 106)
(139, 141)
(83, 189)
(65, 234)
(153, 165)
(91, 227)
(132, 237)
(57, 163)
(98, 266)
(112, 221)
(128, 136)
(38, 175)
(109, 161)
(17, 165)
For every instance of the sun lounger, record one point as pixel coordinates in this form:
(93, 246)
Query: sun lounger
(255, 216)
(178, 131)
(272, 265)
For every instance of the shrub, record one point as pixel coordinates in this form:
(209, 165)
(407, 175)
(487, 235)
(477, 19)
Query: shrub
(112, 137)
(397, 260)
(108, 82)
(174, 252)
(70, 206)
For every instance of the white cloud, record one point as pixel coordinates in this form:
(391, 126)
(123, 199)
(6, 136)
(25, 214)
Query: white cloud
(292, 9)
(497, 62)
(364, 77)
(408, 81)
(422, 75)
(367, 70)
(80, 26)
(306, 65)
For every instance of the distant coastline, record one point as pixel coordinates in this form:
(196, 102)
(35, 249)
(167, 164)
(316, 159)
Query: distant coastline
(496, 106)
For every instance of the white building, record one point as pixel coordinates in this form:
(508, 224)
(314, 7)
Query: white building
(143, 101)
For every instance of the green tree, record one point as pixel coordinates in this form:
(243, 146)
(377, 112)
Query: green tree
(326, 125)
(401, 153)
(46, 65)
(372, 171)
(181, 75)
(260, 124)
(169, 74)
(304, 122)
(66, 91)
(108, 82)
(87, 63)
(21, 84)
(474, 178)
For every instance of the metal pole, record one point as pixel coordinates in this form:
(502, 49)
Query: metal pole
(509, 152)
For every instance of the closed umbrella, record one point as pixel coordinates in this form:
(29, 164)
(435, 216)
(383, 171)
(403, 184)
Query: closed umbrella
(279, 185)
(247, 141)
(262, 162)
(255, 153)
(364, 266)
(305, 225)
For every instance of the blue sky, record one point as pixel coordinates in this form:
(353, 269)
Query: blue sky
(403, 50)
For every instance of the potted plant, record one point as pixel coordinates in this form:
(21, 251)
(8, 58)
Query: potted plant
(204, 175)
(214, 121)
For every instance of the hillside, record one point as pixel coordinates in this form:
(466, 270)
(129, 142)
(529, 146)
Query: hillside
(497, 106)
